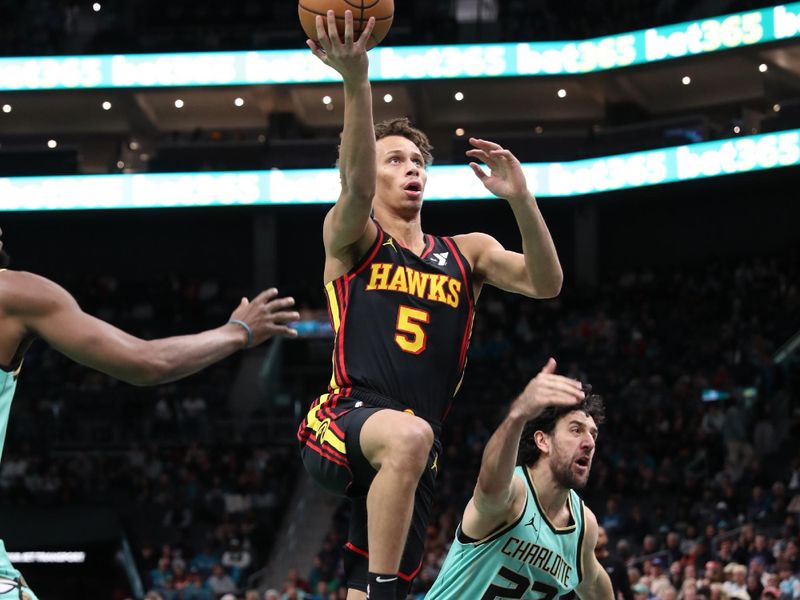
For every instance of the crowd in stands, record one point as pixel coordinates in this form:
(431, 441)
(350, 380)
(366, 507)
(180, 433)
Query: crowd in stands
(44, 27)
(220, 533)
(202, 518)
(700, 499)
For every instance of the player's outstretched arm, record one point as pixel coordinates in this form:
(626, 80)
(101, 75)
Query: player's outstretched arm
(537, 271)
(348, 221)
(499, 496)
(46, 310)
(596, 584)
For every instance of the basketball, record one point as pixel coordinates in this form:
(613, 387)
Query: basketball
(382, 10)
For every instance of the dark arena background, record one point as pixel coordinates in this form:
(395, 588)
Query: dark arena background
(159, 186)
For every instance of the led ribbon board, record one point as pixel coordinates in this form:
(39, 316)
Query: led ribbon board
(321, 186)
(406, 63)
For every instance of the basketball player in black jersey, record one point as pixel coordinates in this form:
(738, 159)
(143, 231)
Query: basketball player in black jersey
(401, 304)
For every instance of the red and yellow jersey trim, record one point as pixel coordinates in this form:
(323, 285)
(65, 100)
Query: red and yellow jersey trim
(338, 295)
(462, 359)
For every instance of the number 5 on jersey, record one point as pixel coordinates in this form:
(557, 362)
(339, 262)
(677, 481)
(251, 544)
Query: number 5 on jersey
(410, 335)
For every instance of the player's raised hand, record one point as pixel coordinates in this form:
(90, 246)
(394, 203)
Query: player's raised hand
(266, 316)
(547, 389)
(506, 178)
(348, 56)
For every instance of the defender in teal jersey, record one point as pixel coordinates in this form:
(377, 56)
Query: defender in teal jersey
(525, 533)
(33, 307)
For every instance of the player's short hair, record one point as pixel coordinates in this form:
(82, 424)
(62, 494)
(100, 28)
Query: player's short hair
(402, 126)
(529, 452)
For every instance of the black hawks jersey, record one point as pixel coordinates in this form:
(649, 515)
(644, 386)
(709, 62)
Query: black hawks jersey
(402, 325)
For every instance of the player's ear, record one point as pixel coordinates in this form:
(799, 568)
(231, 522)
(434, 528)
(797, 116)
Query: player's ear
(542, 441)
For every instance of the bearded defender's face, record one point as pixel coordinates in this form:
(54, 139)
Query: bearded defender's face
(572, 446)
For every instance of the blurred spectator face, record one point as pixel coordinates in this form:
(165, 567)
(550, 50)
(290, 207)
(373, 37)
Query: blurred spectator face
(784, 572)
(791, 550)
(147, 551)
(656, 567)
(716, 591)
(251, 595)
(432, 557)
(272, 595)
(640, 592)
(710, 570)
(673, 540)
(675, 570)
(690, 572)
(602, 540)
(289, 589)
(623, 549)
(163, 564)
(668, 593)
(760, 542)
(740, 575)
(649, 544)
(322, 588)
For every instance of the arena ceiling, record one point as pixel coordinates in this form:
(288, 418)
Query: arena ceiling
(733, 79)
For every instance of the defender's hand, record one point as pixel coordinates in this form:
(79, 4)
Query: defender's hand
(267, 315)
(348, 57)
(506, 179)
(547, 389)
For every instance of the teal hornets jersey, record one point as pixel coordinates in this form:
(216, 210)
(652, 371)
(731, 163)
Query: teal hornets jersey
(8, 384)
(529, 559)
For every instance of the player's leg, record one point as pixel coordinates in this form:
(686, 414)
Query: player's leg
(357, 549)
(397, 445)
(411, 562)
(356, 553)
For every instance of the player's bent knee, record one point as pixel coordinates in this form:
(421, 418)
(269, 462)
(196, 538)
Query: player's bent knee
(397, 442)
(410, 445)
